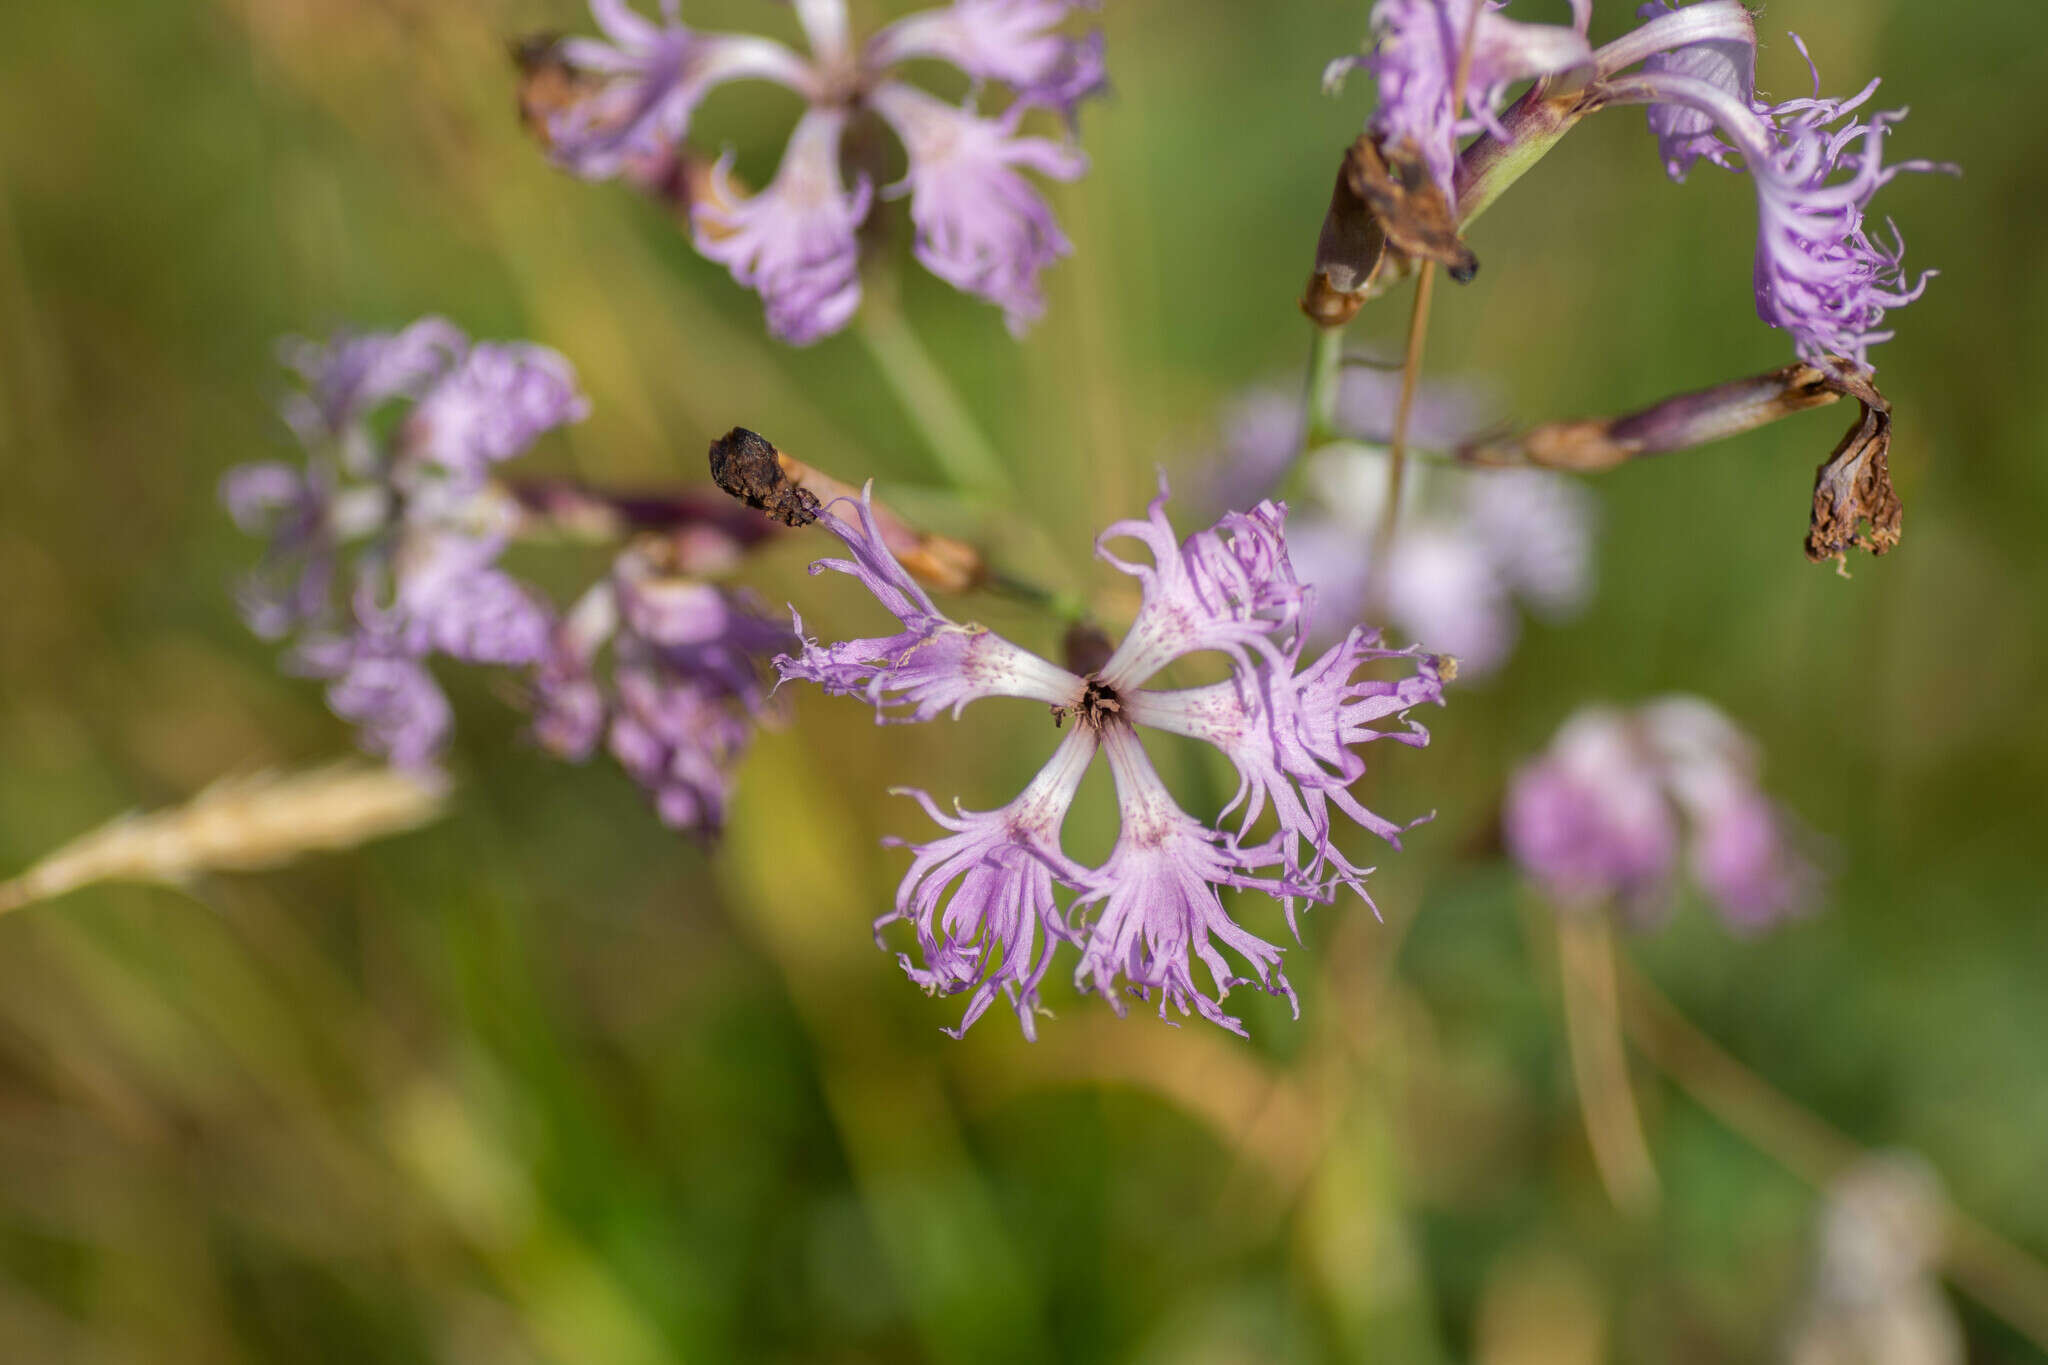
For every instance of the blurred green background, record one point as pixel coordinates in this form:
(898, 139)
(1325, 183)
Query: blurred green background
(545, 1082)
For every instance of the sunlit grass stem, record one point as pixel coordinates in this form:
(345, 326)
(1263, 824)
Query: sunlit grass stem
(966, 456)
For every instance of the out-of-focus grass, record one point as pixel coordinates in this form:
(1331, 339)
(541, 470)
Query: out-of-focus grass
(545, 1083)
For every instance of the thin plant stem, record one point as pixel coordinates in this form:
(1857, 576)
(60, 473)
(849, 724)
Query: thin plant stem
(1397, 445)
(1411, 372)
(1319, 403)
(2001, 1276)
(1592, 1016)
(966, 456)
(1065, 606)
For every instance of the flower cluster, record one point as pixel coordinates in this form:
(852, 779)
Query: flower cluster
(383, 552)
(1444, 67)
(982, 896)
(980, 225)
(1600, 817)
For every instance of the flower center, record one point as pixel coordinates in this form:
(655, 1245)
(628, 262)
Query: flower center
(1099, 704)
(1098, 708)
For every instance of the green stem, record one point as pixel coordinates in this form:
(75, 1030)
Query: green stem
(964, 454)
(1319, 403)
(1489, 166)
(1063, 605)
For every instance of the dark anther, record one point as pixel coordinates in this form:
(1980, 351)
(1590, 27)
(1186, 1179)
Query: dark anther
(1099, 703)
(745, 465)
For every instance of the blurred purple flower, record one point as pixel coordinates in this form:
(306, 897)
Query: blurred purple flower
(793, 243)
(289, 508)
(1015, 42)
(980, 225)
(1472, 544)
(452, 600)
(500, 399)
(982, 897)
(1599, 818)
(382, 553)
(354, 373)
(683, 694)
(383, 689)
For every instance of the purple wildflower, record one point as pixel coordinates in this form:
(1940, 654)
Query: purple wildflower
(653, 78)
(1418, 46)
(683, 693)
(379, 686)
(985, 936)
(382, 553)
(980, 225)
(1600, 817)
(289, 508)
(794, 243)
(983, 897)
(1015, 42)
(499, 400)
(357, 372)
(1816, 166)
(452, 600)
(1715, 44)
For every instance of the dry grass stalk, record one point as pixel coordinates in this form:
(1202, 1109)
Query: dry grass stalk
(241, 824)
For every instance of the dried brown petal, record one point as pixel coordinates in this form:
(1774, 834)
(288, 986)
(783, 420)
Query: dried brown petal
(1853, 486)
(548, 83)
(1348, 256)
(1411, 210)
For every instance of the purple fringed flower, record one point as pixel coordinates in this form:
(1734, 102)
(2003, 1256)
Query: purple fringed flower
(985, 937)
(653, 78)
(1815, 164)
(683, 694)
(980, 225)
(983, 897)
(383, 552)
(452, 600)
(1600, 817)
(1015, 42)
(289, 508)
(794, 243)
(380, 687)
(1717, 45)
(1418, 46)
(498, 401)
(357, 372)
